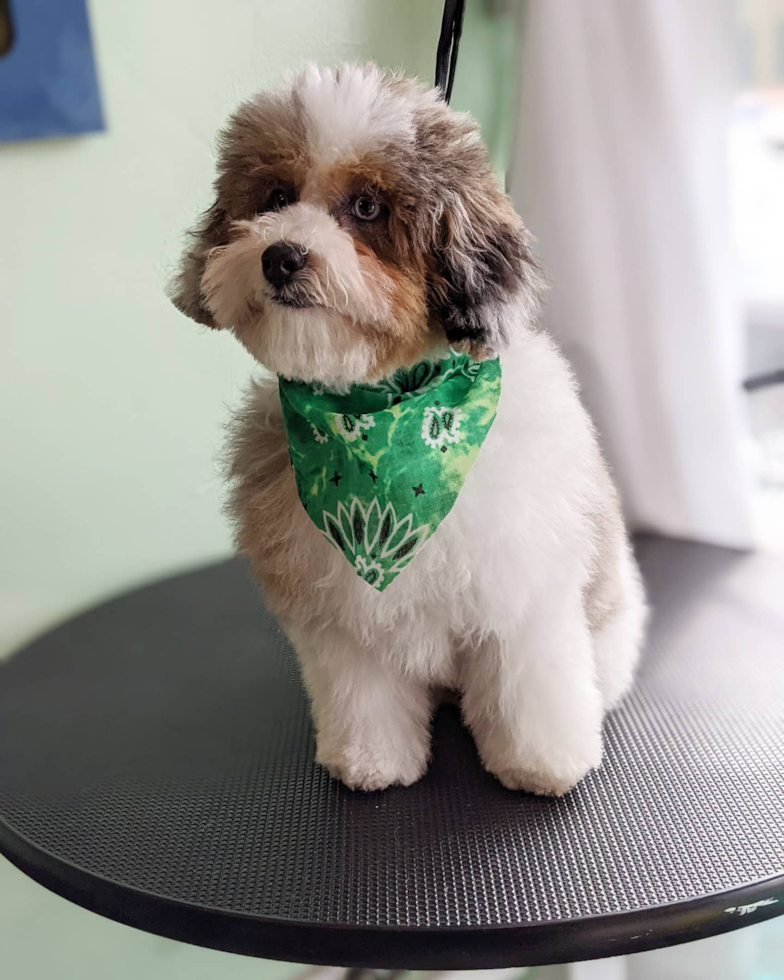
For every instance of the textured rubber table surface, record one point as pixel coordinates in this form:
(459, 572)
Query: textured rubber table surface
(156, 765)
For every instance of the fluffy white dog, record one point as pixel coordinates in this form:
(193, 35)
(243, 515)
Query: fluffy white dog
(358, 230)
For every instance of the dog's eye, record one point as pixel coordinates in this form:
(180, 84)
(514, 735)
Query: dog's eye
(278, 200)
(365, 208)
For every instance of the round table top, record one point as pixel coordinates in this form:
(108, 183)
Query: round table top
(156, 766)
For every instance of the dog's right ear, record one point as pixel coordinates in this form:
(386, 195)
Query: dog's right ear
(185, 289)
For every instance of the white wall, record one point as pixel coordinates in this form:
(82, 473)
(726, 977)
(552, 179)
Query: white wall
(111, 402)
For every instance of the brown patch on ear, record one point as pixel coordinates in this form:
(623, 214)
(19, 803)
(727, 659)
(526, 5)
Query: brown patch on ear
(185, 289)
(482, 279)
(481, 263)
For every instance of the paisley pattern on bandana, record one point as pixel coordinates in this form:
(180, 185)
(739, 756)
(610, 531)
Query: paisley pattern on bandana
(379, 468)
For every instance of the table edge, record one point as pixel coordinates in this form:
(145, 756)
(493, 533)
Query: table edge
(398, 947)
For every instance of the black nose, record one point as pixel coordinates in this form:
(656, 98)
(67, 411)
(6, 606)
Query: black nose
(281, 262)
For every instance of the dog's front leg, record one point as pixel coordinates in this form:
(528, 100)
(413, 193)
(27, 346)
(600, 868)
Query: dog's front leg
(372, 722)
(531, 699)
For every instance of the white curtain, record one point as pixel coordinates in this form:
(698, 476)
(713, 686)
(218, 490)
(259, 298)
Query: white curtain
(620, 170)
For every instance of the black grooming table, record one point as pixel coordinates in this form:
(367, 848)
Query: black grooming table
(156, 766)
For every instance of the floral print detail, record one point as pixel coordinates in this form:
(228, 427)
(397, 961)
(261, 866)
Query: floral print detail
(462, 365)
(470, 369)
(318, 435)
(369, 570)
(351, 427)
(441, 425)
(379, 543)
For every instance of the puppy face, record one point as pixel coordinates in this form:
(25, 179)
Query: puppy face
(357, 228)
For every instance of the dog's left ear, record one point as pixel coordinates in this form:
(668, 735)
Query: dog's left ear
(185, 289)
(484, 282)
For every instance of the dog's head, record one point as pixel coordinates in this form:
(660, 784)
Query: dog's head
(357, 228)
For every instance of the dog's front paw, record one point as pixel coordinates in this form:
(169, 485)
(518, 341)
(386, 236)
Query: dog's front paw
(369, 768)
(553, 776)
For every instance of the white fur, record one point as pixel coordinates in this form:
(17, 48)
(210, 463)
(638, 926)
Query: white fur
(350, 112)
(622, 633)
(493, 605)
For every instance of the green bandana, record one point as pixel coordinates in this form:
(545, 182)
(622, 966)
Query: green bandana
(379, 468)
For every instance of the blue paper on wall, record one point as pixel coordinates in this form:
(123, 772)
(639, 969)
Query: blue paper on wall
(48, 85)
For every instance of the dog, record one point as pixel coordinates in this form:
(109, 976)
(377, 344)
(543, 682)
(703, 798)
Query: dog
(357, 229)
